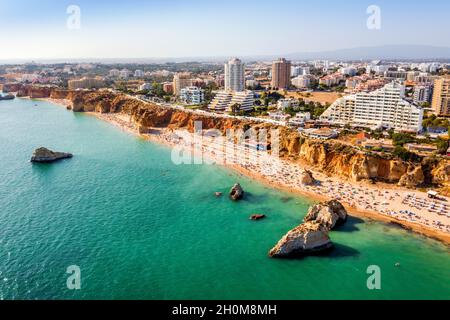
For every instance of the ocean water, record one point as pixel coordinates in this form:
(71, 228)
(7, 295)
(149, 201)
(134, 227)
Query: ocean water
(140, 227)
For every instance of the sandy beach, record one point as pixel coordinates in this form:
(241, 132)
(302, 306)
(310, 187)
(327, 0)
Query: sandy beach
(411, 209)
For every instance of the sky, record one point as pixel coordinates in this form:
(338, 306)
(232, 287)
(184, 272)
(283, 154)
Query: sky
(39, 29)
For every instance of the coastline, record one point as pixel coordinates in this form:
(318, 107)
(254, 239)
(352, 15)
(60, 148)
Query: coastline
(163, 136)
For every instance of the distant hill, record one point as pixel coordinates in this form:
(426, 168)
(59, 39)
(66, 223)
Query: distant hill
(408, 52)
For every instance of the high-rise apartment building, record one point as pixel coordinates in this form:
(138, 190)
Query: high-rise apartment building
(281, 74)
(441, 96)
(234, 75)
(422, 94)
(385, 107)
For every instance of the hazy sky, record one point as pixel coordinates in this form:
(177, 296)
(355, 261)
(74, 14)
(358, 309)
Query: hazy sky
(173, 28)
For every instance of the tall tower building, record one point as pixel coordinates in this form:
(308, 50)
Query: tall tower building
(441, 96)
(234, 75)
(281, 74)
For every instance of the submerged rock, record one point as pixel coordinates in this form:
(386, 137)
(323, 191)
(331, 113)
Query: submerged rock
(257, 216)
(328, 214)
(218, 194)
(307, 238)
(45, 155)
(236, 193)
(307, 178)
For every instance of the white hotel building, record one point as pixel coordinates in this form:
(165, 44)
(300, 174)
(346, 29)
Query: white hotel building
(225, 99)
(192, 95)
(385, 107)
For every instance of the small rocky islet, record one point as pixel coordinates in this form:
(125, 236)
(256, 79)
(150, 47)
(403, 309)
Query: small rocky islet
(44, 155)
(236, 192)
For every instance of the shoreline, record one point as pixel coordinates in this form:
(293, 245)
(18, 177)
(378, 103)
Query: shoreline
(162, 137)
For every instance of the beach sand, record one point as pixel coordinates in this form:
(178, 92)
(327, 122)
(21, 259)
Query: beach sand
(411, 209)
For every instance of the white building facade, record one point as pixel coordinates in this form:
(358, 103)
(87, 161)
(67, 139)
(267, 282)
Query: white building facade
(192, 95)
(385, 107)
(234, 75)
(224, 100)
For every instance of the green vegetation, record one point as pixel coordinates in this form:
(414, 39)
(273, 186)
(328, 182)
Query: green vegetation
(236, 110)
(314, 108)
(209, 95)
(434, 121)
(405, 155)
(400, 138)
(272, 97)
(442, 146)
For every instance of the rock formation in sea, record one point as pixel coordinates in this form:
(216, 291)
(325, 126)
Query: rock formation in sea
(257, 216)
(312, 235)
(328, 214)
(45, 155)
(307, 178)
(307, 238)
(236, 192)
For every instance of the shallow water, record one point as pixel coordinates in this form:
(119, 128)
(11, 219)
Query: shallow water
(140, 227)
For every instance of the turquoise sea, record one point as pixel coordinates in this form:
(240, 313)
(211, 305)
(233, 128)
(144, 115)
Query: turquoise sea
(140, 227)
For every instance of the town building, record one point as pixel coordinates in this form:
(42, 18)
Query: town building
(422, 149)
(86, 83)
(114, 73)
(192, 95)
(385, 107)
(124, 73)
(299, 119)
(321, 133)
(331, 79)
(348, 71)
(168, 87)
(281, 74)
(181, 81)
(279, 116)
(378, 145)
(304, 81)
(145, 86)
(285, 103)
(422, 94)
(139, 74)
(234, 75)
(441, 96)
(224, 100)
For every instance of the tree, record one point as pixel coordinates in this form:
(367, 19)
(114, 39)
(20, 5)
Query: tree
(442, 146)
(235, 108)
(404, 154)
(400, 139)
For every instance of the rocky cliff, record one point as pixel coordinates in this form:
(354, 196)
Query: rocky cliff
(331, 157)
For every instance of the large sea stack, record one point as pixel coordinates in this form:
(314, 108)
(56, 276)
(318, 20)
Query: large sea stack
(44, 155)
(307, 238)
(312, 235)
